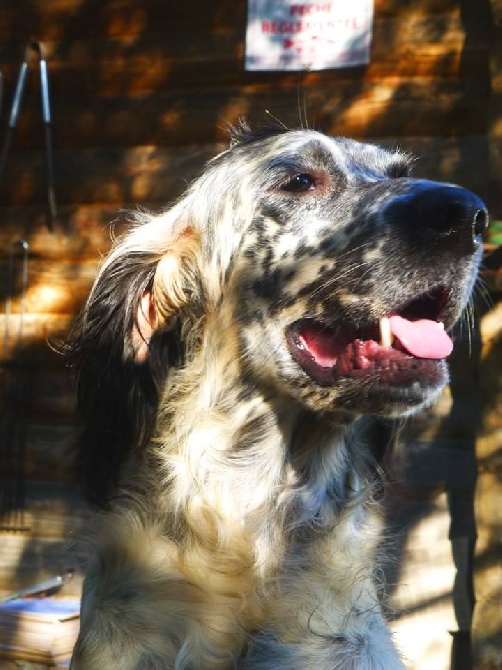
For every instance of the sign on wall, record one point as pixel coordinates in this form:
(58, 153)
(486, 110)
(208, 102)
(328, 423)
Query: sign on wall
(292, 35)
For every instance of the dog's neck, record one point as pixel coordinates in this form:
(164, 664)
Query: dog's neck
(225, 444)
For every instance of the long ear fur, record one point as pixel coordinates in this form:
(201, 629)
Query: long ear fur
(127, 338)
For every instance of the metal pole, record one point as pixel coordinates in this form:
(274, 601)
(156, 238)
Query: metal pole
(46, 115)
(14, 114)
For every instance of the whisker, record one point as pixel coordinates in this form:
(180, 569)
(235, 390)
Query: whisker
(301, 109)
(349, 269)
(353, 250)
(482, 291)
(329, 282)
(469, 324)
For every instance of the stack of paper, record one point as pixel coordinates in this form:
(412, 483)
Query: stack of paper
(41, 630)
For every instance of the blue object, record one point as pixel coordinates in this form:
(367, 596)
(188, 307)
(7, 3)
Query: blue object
(48, 606)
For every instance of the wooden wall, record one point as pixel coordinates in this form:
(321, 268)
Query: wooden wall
(141, 93)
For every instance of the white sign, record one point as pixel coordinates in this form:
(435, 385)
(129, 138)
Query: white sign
(293, 35)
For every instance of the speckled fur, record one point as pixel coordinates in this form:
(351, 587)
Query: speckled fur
(247, 539)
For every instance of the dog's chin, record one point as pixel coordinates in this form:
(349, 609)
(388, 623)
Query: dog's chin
(363, 376)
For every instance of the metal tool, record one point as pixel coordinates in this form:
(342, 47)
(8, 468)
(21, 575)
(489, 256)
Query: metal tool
(47, 587)
(36, 47)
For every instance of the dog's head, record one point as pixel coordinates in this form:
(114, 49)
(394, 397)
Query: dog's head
(335, 275)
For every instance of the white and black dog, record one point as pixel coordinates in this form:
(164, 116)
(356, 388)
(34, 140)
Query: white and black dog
(234, 346)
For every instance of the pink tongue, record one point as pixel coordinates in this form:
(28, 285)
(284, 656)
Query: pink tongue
(422, 338)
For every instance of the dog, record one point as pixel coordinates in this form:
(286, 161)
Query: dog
(234, 349)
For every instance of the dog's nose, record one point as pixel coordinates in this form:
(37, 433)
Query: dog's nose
(448, 209)
(441, 212)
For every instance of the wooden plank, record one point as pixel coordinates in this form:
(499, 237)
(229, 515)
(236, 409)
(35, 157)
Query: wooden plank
(38, 329)
(54, 403)
(44, 430)
(141, 109)
(394, 107)
(451, 159)
(81, 231)
(66, 19)
(174, 59)
(54, 412)
(396, 7)
(54, 288)
(104, 175)
(50, 449)
(162, 50)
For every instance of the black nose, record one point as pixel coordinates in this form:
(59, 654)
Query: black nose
(442, 213)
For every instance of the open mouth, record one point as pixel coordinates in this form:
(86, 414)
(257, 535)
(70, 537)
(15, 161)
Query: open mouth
(400, 346)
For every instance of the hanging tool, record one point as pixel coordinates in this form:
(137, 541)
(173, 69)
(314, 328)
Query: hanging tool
(47, 587)
(36, 47)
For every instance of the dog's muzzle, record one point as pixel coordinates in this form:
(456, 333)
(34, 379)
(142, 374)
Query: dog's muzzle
(433, 234)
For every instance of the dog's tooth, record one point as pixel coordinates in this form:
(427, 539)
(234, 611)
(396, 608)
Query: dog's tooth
(441, 325)
(385, 332)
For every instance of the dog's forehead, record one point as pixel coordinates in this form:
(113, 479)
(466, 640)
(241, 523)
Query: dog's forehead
(355, 156)
(315, 149)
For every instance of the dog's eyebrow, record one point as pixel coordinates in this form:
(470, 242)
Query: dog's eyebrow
(355, 159)
(289, 163)
(384, 165)
(311, 155)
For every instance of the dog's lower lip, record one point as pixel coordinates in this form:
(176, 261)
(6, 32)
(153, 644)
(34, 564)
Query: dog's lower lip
(338, 357)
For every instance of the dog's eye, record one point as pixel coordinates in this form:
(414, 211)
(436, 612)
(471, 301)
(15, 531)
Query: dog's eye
(299, 183)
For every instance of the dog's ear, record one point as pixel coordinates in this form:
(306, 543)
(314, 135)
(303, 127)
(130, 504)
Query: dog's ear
(174, 294)
(125, 342)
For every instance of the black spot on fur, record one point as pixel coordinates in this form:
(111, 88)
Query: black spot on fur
(328, 244)
(247, 316)
(249, 433)
(270, 285)
(302, 251)
(275, 212)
